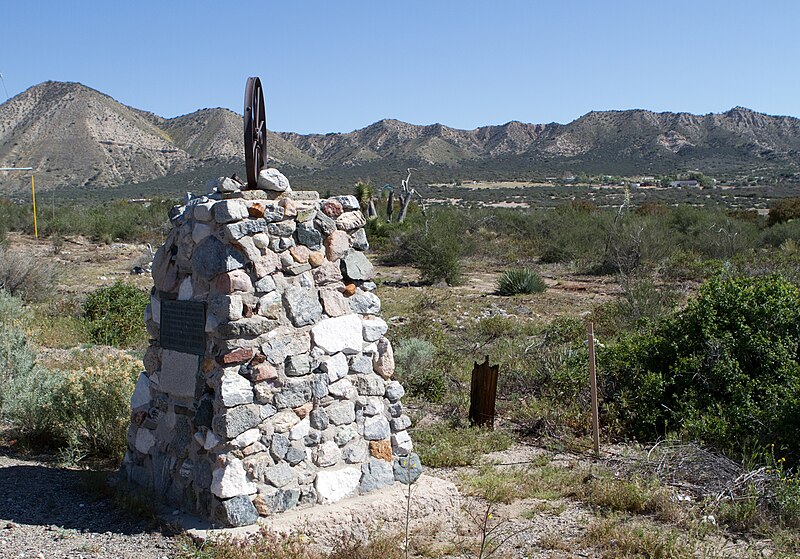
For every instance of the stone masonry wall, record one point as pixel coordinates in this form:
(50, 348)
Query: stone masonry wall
(293, 401)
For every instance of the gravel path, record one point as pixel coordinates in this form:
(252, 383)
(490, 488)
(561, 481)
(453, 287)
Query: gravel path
(49, 513)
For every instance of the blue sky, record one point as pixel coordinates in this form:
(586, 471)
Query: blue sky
(338, 65)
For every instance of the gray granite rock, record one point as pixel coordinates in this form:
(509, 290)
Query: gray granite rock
(324, 223)
(375, 474)
(279, 446)
(297, 365)
(376, 428)
(306, 234)
(235, 421)
(365, 303)
(357, 267)
(226, 211)
(239, 229)
(212, 257)
(407, 469)
(341, 413)
(282, 228)
(294, 393)
(237, 511)
(302, 305)
(319, 419)
(359, 240)
(279, 475)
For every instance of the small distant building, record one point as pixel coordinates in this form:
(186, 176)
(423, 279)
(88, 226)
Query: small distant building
(679, 184)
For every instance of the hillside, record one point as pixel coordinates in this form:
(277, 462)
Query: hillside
(76, 136)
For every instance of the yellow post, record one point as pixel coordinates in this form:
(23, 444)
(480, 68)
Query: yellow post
(33, 198)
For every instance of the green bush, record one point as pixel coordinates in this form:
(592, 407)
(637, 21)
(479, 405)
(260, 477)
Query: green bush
(724, 371)
(95, 396)
(116, 315)
(435, 244)
(414, 359)
(520, 280)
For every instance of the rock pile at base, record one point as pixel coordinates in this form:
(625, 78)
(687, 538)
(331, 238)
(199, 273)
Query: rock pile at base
(292, 402)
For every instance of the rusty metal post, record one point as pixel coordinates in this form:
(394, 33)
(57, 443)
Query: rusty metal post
(483, 394)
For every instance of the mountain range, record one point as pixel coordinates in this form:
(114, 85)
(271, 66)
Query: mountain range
(75, 136)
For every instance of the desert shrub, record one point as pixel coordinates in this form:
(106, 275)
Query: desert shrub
(778, 234)
(784, 210)
(520, 280)
(95, 396)
(414, 358)
(724, 371)
(435, 244)
(29, 403)
(25, 276)
(16, 356)
(643, 301)
(115, 315)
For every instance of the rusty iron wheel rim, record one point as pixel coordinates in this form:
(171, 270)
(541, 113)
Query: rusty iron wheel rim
(255, 130)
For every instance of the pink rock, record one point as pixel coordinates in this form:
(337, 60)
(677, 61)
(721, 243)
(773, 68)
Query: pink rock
(332, 209)
(239, 355)
(263, 371)
(337, 244)
(235, 280)
(289, 207)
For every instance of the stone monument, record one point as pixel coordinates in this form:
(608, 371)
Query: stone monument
(268, 381)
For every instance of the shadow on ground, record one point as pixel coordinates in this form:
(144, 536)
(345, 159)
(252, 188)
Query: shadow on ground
(38, 495)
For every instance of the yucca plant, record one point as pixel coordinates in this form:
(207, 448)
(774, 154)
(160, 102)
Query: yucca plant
(520, 280)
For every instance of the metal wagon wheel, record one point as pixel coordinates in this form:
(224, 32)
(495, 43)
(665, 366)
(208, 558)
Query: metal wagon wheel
(255, 130)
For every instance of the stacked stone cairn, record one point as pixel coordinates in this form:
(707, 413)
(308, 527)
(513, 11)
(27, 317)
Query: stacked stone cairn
(293, 402)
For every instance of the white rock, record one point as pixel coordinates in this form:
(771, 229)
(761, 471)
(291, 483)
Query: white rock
(401, 443)
(336, 366)
(231, 480)
(327, 454)
(374, 328)
(342, 388)
(300, 430)
(186, 291)
(284, 420)
(212, 440)
(247, 438)
(141, 394)
(273, 179)
(145, 439)
(261, 240)
(234, 388)
(333, 486)
(342, 333)
(200, 231)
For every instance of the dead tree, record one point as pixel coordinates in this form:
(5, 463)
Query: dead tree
(406, 194)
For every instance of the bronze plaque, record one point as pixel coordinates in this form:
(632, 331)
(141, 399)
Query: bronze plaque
(183, 326)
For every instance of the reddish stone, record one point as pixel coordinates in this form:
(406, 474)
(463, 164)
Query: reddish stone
(349, 289)
(316, 258)
(239, 355)
(256, 209)
(300, 253)
(382, 450)
(304, 410)
(289, 207)
(247, 311)
(337, 244)
(236, 280)
(262, 372)
(332, 209)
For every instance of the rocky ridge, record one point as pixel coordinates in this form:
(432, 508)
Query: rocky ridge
(78, 136)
